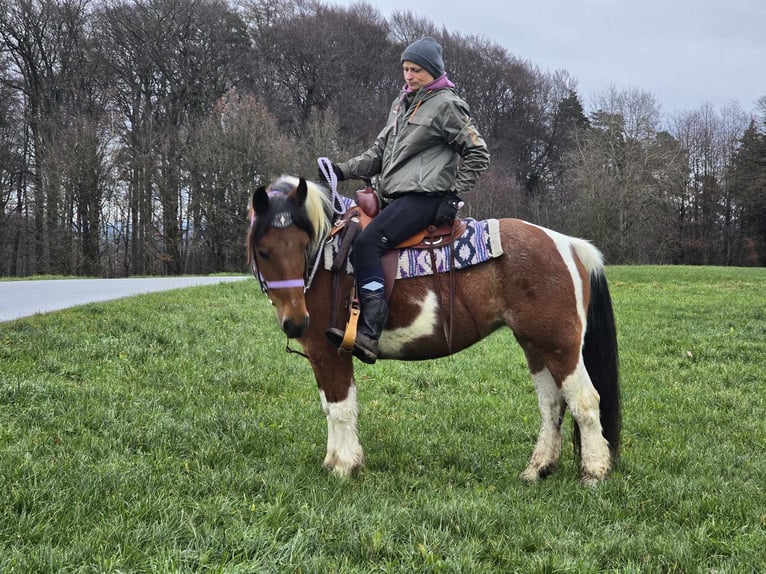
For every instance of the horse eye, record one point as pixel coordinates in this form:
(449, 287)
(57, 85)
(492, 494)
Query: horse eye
(263, 254)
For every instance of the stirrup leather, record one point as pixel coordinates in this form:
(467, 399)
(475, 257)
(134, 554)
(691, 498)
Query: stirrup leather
(349, 335)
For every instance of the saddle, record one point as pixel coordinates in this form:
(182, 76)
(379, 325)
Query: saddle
(367, 207)
(354, 221)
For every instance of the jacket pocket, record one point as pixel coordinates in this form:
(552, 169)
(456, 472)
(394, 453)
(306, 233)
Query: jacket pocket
(419, 119)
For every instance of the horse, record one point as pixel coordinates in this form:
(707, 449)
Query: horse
(550, 289)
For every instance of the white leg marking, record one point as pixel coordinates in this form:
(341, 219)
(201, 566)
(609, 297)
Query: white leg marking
(423, 324)
(546, 455)
(583, 401)
(329, 459)
(344, 452)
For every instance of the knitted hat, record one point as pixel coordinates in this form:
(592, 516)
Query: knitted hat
(427, 53)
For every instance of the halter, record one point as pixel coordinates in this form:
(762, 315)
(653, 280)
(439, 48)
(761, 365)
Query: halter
(284, 219)
(266, 286)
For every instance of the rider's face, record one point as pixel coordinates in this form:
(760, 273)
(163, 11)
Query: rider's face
(415, 76)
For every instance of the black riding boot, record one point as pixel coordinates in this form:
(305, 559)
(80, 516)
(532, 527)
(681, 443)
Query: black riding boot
(372, 320)
(373, 314)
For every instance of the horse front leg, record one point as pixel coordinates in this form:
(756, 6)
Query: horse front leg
(337, 391)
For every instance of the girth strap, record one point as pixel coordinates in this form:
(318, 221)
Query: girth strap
(447, 318)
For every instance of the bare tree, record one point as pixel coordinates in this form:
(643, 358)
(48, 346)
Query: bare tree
(44, 40)
(312, 57)
(710, 140)
(14, 164)
(620, 175)
(238, 147)
(170, 61)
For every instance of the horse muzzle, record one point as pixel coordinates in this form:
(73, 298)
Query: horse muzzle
(295, 329)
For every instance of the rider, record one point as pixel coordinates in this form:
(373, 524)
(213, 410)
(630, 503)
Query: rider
(429, 152)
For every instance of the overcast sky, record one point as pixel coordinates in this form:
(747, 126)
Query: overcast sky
(687, 53)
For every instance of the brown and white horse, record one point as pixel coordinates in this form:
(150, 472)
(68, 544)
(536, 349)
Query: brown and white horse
(549, 288)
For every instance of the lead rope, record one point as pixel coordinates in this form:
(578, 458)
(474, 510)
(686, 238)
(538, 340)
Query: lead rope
(338, 207)
(325, 167)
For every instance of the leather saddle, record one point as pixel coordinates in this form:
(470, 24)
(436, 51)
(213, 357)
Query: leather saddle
(431, 236)
(367, 207)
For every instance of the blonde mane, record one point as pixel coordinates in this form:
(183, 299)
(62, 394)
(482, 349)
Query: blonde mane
(318, 208)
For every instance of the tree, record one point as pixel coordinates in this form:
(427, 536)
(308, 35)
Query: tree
(748, 183)
(14, 165)
(44, 41)
(171, 60)
(621, 175)
(310, 58)
(709, 139)
(236, 148)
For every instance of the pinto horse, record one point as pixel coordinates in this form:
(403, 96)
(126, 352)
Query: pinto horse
(550, 289)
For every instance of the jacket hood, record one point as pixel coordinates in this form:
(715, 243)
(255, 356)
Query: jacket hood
(439, 83)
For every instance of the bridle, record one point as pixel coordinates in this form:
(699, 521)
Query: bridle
(267, 286)
(284, 219)
(281, 220)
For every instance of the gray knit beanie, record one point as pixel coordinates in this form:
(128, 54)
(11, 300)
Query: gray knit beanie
(427, 53)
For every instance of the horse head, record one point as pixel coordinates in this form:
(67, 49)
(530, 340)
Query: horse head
(287, 227)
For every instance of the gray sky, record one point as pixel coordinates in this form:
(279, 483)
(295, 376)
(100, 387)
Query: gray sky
(686, 53)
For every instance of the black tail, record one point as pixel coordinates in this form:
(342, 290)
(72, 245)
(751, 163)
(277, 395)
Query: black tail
(601, 360)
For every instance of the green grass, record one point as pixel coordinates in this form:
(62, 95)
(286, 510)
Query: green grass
(171, 433)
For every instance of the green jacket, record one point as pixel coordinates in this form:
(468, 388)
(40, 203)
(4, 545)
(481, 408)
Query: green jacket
(420, 148)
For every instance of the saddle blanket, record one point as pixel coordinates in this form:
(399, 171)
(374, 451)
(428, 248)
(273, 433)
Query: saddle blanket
(479, 243)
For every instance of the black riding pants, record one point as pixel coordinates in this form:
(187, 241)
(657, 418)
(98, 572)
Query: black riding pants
(400, 220)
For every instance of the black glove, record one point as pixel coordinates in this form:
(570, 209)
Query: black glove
(447, 210)
(335, 169)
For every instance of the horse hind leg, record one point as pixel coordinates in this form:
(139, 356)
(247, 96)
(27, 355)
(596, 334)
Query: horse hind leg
(545, 456)
(583, 402)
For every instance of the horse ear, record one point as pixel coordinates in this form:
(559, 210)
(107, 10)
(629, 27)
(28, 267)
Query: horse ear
(260, 200)
(298, 196)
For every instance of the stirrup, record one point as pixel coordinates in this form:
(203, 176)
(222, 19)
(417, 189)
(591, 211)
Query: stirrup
(335, 336)
(344, 339)
(365, 353)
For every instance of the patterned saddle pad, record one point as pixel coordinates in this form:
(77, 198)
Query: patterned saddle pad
(479, 243)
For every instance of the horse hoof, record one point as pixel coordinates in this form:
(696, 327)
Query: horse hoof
(533, 473)
(530, 475)
(344, 471)
(591, 480)
(341, 470)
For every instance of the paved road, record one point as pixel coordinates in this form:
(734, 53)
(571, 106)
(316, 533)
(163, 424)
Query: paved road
(24, 298)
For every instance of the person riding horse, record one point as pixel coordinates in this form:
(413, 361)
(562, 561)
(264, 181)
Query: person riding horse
(428, 154)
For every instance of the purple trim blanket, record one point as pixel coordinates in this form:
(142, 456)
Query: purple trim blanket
(479, 243)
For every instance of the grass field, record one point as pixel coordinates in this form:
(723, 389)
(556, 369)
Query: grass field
(172, 433)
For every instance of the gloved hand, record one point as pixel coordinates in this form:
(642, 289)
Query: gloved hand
(447, 210)
(336, 170)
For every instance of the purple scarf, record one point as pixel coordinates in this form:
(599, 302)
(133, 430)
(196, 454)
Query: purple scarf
(438, 84)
